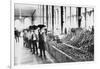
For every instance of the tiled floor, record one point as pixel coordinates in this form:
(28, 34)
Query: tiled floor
(24, 56)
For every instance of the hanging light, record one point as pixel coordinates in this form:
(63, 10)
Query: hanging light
(20, 14)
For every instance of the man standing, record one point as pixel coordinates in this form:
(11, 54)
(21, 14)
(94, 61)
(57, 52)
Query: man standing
(42, 43)
(30, 40)
(34, 42)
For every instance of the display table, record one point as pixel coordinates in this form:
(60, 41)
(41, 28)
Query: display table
(59, 55)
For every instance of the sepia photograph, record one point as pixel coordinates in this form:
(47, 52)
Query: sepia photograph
(46, 34)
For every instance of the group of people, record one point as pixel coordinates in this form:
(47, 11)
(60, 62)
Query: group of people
(35, 40)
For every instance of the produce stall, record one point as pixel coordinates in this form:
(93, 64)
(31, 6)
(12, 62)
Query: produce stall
(75, 47)
(64, 53)
(58, 54)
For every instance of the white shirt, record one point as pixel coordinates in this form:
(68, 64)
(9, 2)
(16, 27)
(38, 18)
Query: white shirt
(34, 36)
(29, 34)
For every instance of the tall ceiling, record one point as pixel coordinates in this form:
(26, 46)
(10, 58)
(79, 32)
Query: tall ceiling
(24, 9)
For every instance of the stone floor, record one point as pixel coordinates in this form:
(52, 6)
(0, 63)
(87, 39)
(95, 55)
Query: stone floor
(24, 56)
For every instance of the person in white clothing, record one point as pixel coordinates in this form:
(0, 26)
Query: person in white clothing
(34, 42)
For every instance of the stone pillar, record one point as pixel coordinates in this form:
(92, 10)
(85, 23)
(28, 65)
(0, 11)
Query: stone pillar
(61, 19)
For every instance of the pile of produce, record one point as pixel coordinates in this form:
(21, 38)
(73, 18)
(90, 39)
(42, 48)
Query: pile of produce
(78, 55)
(81, 39)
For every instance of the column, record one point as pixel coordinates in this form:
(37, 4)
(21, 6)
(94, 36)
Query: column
(79, 17)
(61, 19)
(47, 15)
(53, 19)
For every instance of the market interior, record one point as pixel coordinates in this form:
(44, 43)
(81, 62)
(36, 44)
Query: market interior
(70, 33)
